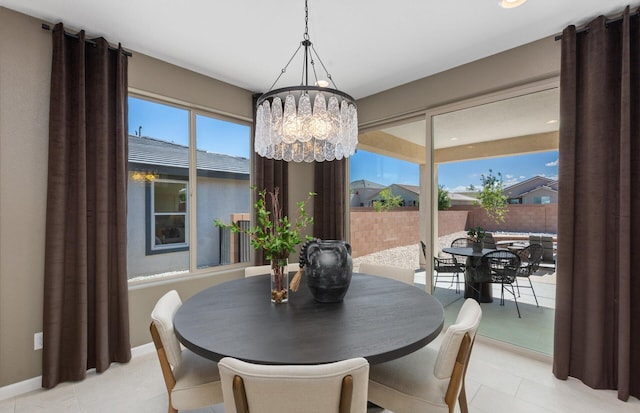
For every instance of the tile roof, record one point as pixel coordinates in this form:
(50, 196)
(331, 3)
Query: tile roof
(150, 151)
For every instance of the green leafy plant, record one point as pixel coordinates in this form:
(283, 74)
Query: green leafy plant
(274, 233)
(492, 197)
(444, 201)
(387, 201)
(476, 234)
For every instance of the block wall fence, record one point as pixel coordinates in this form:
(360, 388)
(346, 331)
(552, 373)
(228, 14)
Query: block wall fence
(373, 231)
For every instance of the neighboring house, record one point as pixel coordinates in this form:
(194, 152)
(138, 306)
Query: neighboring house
(158, 214)
(457, 198)
(410, 194)
(536, 190)
(362, 191)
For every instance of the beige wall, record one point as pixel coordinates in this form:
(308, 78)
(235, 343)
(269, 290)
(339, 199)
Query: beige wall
(25, 53)
(532, 62)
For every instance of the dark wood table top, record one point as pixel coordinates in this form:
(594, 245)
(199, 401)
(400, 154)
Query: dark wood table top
(466, 251)
(379, 319)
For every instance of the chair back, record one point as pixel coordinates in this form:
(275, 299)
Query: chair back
(503, 265)
(467, 322)
(489, 242)
(334, 387)
(405, 275)
(461, 243)
(530, 258)
(162, 321)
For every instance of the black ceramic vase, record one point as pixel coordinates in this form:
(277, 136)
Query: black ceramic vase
(328, 269)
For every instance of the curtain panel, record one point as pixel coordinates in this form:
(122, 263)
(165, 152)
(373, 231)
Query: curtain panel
(597, 322)
(268, 175)
(329, 205)
(86, 317)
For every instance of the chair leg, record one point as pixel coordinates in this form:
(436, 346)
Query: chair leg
(533, 291)
(513, 292)
(518, 286)
(462, 400)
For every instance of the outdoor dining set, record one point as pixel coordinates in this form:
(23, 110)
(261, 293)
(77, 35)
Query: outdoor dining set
(493, 263)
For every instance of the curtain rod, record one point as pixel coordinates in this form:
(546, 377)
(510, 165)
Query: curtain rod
(90, 41)
(606, 23)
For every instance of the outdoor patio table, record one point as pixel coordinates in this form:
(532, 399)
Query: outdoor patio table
(379, 319)
(480, 291)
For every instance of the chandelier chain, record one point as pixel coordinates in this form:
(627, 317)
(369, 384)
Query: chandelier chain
(306, 20)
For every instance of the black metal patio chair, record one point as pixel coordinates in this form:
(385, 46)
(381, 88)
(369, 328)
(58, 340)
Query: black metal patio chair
(503, 266)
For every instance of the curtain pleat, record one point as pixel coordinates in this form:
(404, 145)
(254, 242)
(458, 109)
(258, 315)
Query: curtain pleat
(86, 317)
(329, 205)
(269, 174)
(597, 320)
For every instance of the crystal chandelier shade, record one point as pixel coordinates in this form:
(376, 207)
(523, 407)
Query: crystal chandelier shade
(298, 130)
(306, 123)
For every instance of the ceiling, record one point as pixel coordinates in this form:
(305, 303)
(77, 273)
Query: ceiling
(529, 114)
(367, 46)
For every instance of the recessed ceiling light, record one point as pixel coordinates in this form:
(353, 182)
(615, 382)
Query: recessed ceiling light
(453, 139)
(509, 4)
(549, 122)
(322, 83)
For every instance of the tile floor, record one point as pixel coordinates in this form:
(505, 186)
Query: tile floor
(499, 380)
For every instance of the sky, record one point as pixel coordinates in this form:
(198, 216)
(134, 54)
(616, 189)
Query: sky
(455, 176)
(172, 124)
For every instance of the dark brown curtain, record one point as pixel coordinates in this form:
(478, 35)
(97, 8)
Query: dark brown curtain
(269, 174)
(597, 325)
(86, 317)
(329, 205)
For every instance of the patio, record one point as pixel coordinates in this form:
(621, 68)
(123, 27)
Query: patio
(534, 331)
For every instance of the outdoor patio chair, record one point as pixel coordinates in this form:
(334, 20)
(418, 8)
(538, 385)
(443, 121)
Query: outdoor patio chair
(192, 382)
(432, 378)
(334, 387)
(529, 263)
(451, 268)
(503, 266)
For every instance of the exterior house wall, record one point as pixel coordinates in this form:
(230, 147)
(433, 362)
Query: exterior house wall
(530, 197)
(210, 190)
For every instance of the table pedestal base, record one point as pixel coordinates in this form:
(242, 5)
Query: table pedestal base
(481, 292)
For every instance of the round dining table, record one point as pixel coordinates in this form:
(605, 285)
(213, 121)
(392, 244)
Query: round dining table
(379, 319)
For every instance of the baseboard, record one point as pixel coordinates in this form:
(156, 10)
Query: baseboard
(25, 386)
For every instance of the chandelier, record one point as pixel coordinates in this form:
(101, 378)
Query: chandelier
(306, 123)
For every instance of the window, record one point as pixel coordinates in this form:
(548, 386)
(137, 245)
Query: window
(541, 199)
(172, 204)
(168, 227)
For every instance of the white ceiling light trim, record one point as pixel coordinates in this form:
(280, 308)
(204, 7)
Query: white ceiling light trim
(509, 4)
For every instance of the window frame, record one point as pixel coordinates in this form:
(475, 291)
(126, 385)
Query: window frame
(194, 111)
(150, 221)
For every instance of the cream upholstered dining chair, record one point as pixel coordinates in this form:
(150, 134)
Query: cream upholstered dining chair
(432, 378)
(405, 275)
(192, 381)
(266, 269)
(339, 387)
